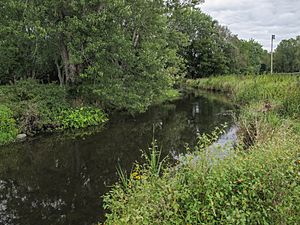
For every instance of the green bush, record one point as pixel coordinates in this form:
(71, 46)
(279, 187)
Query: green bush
(8, 130)
(34, 105)
(80, 118)
(40, 107)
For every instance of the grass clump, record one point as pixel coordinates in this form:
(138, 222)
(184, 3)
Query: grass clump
(80, 118)
(280, 90)
(8, 130)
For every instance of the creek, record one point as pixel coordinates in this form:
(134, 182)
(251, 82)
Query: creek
(60, 178)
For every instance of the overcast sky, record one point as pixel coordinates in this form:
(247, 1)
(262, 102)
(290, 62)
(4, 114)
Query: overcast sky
(257, 19)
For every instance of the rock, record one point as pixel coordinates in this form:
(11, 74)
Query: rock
(21, 136)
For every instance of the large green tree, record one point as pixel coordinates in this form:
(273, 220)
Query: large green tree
(204, 53)
(287, 56)
(126, 49)
(212, 49)
(20, 44)
(251, 53)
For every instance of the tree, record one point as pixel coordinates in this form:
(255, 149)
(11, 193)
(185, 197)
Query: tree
(126, 49)
(287, 56)
(20, 45)
(205, 52)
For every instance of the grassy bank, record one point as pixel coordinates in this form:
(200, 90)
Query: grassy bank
(281, 91)
(30, 108)
(260, 184)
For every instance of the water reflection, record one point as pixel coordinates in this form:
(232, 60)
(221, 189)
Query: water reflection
(60, 180)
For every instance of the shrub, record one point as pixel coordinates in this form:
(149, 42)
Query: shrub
(39, 107)
(8, 130)
(80, 117)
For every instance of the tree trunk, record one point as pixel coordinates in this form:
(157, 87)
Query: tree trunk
(59, 73)
(33, 74)
(70, 69)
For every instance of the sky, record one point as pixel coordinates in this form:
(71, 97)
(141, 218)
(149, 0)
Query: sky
(257, 19)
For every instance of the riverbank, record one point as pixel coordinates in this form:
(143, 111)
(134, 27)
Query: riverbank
(258, 184)
(29, 108)
(80, 166)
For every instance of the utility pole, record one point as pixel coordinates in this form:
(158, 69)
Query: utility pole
(272, 42)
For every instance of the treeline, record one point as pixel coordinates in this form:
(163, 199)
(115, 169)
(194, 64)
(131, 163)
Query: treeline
(126, 52)
(287, 56)
(120, 44)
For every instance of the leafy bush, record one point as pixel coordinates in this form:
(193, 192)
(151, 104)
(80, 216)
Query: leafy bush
(80, 118)
(39, 107)
(8, 130)
(34, 105)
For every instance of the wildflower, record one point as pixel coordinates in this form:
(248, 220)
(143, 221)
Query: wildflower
(134, 174)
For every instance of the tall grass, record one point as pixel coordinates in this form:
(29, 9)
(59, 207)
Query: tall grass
(257, 186)
(281, 90)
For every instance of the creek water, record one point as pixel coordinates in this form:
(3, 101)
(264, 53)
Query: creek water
(60, 178)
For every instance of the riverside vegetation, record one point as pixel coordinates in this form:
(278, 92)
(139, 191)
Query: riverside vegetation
(70, 64)
(65, 63)
(258, 184)
(90, 57)
(30, 107)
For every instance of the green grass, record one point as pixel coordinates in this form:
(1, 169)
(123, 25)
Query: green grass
(259, 184)
(279, 89)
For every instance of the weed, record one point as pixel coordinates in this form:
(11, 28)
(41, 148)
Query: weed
(8, 130)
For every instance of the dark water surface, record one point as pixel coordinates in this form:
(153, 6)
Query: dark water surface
(56, 179)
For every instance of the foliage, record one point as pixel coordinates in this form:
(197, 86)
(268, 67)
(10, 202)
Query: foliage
(152, 167)
(39, 107)
(128, 53)
(80, 118)
(252, 54)
(204, 53)
(122, 48)
(25, 52)
(34, 105)
(212, 49)
(8, 130)
(260, 186)
(279, 90)
(287, 56)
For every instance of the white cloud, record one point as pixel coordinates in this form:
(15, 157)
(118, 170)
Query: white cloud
(257, 19)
